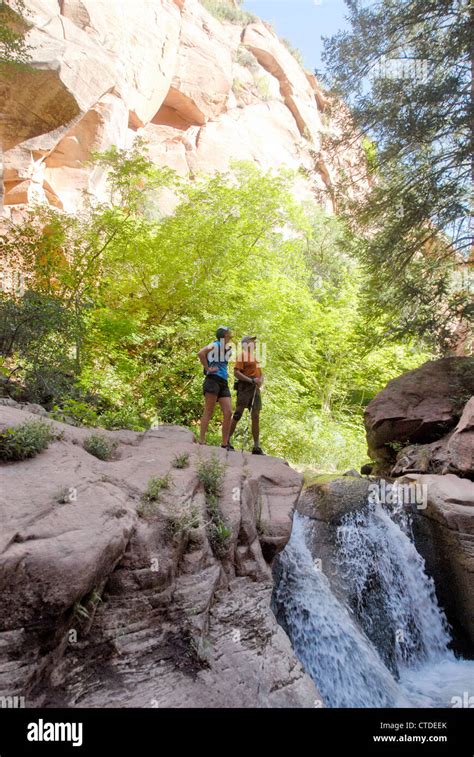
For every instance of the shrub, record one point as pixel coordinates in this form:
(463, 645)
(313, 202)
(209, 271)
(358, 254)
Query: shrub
(182, 524)
(181, 461)
(211, 475)
(263, 88)
(155, 486)
(99, 446)
(76, 413)
(37, 336)
(245, 58)
(151, 495)
(124, 417)
(25, 441)
(237, 87)
(219, 535)
(225, 12)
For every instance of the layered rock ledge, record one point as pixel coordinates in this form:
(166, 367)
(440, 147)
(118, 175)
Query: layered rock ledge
(104, 605)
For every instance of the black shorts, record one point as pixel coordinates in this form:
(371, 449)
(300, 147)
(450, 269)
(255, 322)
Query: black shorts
(245, 395)
(216, 385)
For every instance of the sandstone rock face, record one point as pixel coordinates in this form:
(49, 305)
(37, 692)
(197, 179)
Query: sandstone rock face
(444, 533)
(453, 453)
(201, 92)
(106, 602)
(419, 407)
(429, 414)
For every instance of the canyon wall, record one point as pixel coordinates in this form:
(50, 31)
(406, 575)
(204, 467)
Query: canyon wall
(202, 93)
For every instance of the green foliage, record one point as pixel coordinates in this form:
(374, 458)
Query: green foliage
(370, 150)
(409, 84)
(245, 58)
(120, 299)
(263, 88)
(25, 441)
(224, 11)
(183, 524)
(14, 51)
(210, 473)
(181, 461)
(151, 497)
(76, 413)
(100, 446)
(81, 612)
(219, 534)
(237, 87)
(84, 610)
(155, 486)
(37, 334)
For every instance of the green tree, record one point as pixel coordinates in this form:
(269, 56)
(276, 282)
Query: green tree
(14, 50)
(406, 69)
(127, 296)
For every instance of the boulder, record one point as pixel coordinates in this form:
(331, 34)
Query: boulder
(454, 453)
(110, 600)
(330, 498)
(444, 536)
(419, 407)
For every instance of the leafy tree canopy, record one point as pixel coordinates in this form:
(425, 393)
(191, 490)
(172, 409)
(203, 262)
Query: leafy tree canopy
(405, 67)
(125, 297)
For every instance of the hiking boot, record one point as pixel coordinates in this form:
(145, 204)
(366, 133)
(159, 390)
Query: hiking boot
(257, 451)
(228, 447)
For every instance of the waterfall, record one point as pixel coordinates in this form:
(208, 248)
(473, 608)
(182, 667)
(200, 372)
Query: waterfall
(383, 641)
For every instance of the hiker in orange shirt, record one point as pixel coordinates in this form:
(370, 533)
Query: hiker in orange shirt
(249, 379)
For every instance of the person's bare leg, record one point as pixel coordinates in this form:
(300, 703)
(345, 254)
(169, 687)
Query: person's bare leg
(226, 406)
(239, 411)
(233, 426)
(209, 405)
(256, 428)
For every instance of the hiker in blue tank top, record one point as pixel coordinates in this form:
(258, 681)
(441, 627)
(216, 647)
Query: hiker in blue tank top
(218, 359)
(214, 360)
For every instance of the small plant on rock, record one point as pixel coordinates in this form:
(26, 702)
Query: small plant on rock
(181, 461)
(211, 475)
(263, 88)
(223, 11)
(151, 495)
(100, 446)
(66, 495)
(180, 525)
(219, 535)
(25, 441)
(245, 58)
(155, 486)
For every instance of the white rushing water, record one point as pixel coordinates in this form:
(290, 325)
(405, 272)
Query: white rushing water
(386, 644)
